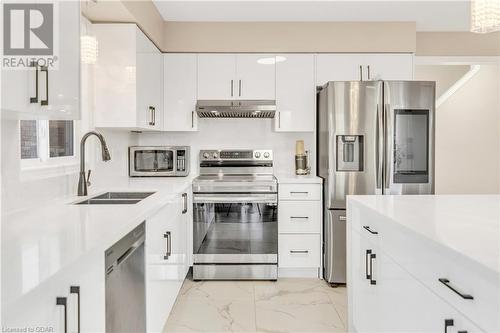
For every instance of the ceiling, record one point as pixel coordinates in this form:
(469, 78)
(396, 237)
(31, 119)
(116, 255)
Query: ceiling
(447, 15)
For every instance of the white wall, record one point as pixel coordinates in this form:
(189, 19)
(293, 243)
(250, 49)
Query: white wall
(236, 133)
(467, 132)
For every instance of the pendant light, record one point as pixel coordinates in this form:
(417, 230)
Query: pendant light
(485, 16)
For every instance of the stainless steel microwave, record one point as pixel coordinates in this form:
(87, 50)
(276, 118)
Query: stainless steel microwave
(158, 161)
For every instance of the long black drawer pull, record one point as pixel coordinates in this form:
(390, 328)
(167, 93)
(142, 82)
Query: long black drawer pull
(76, 290)
(367, 255)
(63, 301)
(372, 280)
(446, 282)
(35, 99)
(367, 228)
(448, 323)
(46, 100)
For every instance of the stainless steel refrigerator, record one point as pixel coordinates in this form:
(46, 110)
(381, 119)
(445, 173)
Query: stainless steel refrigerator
(374, 137)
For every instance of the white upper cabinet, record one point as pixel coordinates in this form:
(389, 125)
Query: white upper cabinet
(230, 76)
(216, 76)
(255, 76)
(129, 79)
(295, 93)
(180, 92)
(338, 67)
(362, 67)
(389, 66)
(45, 92)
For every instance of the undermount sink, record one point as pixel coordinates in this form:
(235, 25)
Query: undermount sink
(116, 198)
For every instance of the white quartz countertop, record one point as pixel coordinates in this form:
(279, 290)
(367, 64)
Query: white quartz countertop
(468, 225)
(40, 241)
(291, 178)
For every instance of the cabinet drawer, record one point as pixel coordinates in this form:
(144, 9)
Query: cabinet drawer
(302, 216)
(299, 250)
(429, 262)
(299, 192)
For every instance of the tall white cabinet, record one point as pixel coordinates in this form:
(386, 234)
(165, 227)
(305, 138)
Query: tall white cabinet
(129, 79)
(236, 76)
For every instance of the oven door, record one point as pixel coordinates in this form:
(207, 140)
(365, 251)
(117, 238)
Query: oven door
(151, 162)
(234, 228)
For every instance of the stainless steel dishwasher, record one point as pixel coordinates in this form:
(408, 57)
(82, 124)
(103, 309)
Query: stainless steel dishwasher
(125, 284)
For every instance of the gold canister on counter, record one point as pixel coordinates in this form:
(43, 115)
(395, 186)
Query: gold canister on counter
(302, 166)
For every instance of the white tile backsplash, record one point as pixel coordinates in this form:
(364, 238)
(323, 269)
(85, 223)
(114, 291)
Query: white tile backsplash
(237, 133)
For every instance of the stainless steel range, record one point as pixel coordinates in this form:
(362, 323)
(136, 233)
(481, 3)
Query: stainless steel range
(235, 201)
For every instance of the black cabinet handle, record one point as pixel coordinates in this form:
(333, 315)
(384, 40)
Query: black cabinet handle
(448, 323)
(46, 100)
(35, 99)
(367, 228)
(446, 282)
(367, 255)
(64, 301)
(372, 280)
(76, 290)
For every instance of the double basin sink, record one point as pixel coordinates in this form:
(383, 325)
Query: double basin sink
(116, 198)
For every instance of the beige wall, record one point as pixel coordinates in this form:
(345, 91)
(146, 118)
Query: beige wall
(289, 37)
(143, 13)
(467, 131)
(458, 44)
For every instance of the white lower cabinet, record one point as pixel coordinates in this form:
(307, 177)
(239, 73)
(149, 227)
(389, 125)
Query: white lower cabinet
(74, 299)
(299, 250)
(384, 297)
(166, 260)
(54, 305)
(299, 228)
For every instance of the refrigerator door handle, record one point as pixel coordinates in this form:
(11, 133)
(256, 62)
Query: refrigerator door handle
(379, 148)
(387, 148)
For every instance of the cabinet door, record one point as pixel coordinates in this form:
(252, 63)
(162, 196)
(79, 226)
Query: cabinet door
(165, 264)
(216, 76)
(386, 298)
(25, 97)
(149, 71)
(339, 67)
(255, 76)
(38, 308)
(295, 93)
(19, 93)
(115, 76)
(180, 77)
(389, 67)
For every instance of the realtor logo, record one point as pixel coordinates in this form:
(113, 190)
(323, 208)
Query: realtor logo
(30, 32)
(28, 29)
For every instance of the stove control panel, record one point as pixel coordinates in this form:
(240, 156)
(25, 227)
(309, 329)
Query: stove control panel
(229, 154)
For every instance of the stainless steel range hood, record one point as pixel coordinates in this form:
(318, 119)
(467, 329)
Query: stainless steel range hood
(236, 108)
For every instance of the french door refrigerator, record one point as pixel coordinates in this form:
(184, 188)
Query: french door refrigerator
(374, 137)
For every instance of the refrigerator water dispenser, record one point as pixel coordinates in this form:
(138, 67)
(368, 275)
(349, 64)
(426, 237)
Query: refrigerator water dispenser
(349, 152)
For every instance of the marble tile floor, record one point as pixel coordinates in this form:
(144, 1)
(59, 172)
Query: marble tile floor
(288, 305)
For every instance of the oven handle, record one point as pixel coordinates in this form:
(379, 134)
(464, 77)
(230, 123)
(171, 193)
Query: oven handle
(235, 198)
